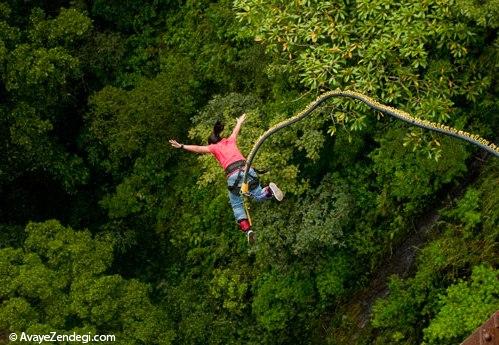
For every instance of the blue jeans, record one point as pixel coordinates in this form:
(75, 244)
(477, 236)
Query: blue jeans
(236, 201)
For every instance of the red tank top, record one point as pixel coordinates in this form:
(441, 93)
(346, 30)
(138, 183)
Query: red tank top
(226, 152)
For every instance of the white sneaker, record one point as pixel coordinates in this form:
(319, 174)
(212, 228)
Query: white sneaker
(251, 236)
(276, 192)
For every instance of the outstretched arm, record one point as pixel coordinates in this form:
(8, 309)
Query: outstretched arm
(190, 148)
(237, 128)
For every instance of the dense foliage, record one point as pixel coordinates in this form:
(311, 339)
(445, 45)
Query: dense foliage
(105, 228)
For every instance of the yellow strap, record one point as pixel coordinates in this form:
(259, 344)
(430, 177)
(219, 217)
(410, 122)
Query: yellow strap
(245, 188)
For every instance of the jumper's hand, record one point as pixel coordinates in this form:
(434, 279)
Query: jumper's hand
(241, 118)
(175, 144)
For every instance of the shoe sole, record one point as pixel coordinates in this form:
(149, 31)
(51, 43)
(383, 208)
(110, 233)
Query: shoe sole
(251, 237)
(278, 194)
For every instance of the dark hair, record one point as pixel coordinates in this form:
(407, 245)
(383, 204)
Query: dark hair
(215, 135)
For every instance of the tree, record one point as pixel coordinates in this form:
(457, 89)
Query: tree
(464, 307)
(208, 33)
(131, 124)
(39, 74)
(282, 297)
(425, 57)
(58, 282)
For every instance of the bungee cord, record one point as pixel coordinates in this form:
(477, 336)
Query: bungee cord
(373, 104)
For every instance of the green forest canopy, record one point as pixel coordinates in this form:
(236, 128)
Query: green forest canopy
(106, 229)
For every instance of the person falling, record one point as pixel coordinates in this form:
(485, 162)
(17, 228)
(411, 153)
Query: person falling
(233, 162)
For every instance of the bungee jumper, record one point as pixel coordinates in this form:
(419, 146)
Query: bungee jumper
(242, 179)
(230, 158)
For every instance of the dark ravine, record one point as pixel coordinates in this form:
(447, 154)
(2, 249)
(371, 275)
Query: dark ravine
(400, 262)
